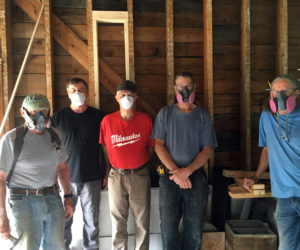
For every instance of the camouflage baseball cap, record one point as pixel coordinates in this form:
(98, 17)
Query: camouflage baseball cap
(35, 101)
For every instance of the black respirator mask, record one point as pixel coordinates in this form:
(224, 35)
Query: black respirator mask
(185, 95)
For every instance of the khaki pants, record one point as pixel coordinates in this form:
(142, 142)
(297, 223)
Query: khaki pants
(124, 191)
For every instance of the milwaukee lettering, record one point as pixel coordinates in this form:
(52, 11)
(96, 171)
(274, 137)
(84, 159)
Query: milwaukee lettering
(119, 138)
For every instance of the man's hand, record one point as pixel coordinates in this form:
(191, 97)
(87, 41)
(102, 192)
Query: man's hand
(248, 182)
(105, 182)
(181, 177)
(4, 226)
(69, 208)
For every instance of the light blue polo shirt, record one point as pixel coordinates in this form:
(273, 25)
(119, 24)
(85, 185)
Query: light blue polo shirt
(284, 156)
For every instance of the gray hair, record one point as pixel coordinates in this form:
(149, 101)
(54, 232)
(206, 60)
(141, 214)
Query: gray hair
(287, 78)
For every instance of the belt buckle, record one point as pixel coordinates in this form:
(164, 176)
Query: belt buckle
(40, 194)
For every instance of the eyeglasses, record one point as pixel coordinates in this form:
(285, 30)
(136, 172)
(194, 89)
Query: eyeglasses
(181, 87)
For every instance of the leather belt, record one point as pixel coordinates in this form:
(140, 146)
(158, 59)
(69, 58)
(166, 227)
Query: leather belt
(129, 171)
(38, 191)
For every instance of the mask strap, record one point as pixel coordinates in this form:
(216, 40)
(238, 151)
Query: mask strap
(278, 121)
(287, 128)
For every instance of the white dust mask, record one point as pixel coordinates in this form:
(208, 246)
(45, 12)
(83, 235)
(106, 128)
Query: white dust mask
(77, 98)
(127, 102)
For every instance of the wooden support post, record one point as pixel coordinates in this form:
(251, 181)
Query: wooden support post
(49, 55)
(245, 86)
(91, 51)
(208, 67)
(282, 37)
(170, 50)
(5, 38)
(131, 40)
(1, 95)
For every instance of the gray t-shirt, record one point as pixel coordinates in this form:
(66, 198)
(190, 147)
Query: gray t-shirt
(185, 134)
(37, 163)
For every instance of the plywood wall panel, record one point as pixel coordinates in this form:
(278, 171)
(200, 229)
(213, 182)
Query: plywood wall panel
(35, 64)
(19, 46)
(68, 65)
(32, 83)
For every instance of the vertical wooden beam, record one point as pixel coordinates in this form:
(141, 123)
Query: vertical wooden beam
(1, 94)
(282, 37)
(245, 86)
(5, 37)
(170, 50)
(208, 56)
(49, 54)
(91, 51)
(131, 40)
(208, 67)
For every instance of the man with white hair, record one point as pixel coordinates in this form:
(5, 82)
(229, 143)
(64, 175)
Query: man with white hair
(280, 139)
(32, 161)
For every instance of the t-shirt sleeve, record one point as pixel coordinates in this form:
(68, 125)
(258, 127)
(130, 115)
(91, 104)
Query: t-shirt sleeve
(62, 154)
(159, 129)
(208, 135)
(6, 153)
(262, 141)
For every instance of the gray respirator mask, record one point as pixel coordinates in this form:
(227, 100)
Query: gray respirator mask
(38, 121)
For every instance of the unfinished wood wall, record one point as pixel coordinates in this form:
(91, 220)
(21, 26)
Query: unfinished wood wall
(150, 58)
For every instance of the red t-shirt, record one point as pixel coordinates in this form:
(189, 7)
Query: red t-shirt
(127, 142)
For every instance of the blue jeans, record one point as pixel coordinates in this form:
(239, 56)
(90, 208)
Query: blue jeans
(89, 194)
(288, 222)
(191, 203)
(39, 220)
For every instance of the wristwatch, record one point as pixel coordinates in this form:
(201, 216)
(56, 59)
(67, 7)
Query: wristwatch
(68, 196)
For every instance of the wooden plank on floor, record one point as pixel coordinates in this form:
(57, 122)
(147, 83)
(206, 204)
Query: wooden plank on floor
(213, 241)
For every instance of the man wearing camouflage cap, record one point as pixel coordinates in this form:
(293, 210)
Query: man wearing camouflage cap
(32, 160)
